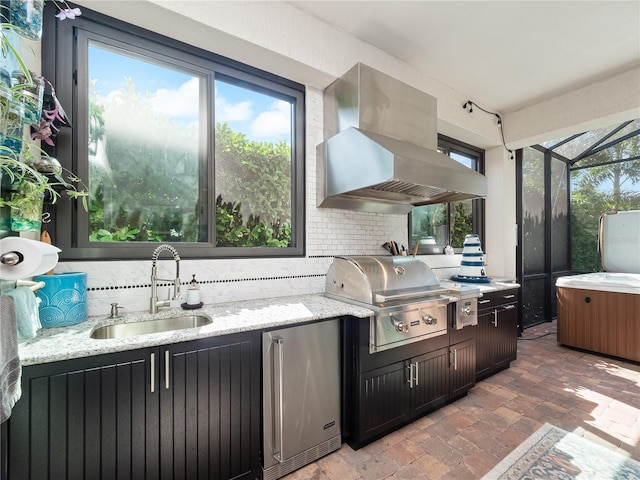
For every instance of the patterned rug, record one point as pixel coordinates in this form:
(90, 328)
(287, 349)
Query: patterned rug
(553, 453)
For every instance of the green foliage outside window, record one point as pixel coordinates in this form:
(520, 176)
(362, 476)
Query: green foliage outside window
(145, 188)
(431, 220)
(461, 222)
(259, 173)
(233, 231)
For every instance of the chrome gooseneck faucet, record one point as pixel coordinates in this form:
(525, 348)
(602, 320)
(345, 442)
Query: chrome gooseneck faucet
(154, 302)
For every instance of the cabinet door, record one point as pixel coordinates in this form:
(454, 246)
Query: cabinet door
(210, 408)
(462, 367)
(430, 388)
(384, 399)
(497, 332)
(87, 418)
(506, 344)
(188, 410)
(485, 343)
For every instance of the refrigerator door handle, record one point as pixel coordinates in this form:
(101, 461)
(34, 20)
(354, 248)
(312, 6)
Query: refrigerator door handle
(278, 343)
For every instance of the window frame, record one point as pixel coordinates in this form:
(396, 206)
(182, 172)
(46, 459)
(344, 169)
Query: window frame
(448, 145)
(62, 56)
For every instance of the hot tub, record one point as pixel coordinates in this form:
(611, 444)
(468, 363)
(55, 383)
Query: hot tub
(600, 312)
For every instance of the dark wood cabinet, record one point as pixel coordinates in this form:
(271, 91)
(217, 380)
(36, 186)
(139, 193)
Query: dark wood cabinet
(394, 394)
(497, 332)
(430, 387)
(188, 410)
(396, 386)
(89, 418)
(210, 394)
(383, 401)
(462, 367)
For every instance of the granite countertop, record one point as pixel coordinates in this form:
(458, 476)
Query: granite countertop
(63, 343)
(496, 286)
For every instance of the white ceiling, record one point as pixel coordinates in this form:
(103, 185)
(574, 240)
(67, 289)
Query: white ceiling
(504, 55)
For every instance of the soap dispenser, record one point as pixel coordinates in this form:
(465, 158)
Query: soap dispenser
(193, 293)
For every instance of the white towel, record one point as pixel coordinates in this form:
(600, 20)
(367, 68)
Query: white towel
(10, 370)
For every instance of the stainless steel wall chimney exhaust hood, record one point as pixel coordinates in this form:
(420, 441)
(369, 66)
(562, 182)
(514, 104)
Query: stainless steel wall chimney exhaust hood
(381, 149)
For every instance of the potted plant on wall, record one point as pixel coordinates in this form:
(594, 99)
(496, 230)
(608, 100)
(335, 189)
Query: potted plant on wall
(26, 185)
(23, 191)
(29, 176)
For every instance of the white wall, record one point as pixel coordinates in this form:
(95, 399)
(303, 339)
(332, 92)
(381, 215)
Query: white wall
(602, 104)
(500, 223)
(278, 38)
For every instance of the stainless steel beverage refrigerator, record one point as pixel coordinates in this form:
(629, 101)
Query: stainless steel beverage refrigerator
(301, 396)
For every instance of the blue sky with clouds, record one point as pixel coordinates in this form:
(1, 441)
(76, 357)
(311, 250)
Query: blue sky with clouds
(176, 93)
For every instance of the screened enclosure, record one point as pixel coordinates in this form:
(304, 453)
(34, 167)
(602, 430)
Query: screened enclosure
(564, 186)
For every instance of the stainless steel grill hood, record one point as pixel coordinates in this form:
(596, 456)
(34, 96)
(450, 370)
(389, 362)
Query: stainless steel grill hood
(381, 149)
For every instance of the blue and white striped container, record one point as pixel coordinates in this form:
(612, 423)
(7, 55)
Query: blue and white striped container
(472, 265)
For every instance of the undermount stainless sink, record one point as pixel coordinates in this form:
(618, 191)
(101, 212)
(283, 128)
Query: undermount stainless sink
(121, 330)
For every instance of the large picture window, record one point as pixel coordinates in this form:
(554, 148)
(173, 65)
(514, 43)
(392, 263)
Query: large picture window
(174, 144)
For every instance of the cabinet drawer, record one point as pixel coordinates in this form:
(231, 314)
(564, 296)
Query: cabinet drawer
(496, 299)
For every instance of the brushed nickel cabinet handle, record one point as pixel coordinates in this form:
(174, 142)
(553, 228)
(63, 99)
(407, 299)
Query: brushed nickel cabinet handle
(153, 372)
(166, 369)
(413, 375)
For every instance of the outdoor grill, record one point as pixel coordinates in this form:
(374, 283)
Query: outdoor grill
(409, 302)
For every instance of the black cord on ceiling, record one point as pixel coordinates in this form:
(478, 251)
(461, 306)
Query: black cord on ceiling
(469, 104)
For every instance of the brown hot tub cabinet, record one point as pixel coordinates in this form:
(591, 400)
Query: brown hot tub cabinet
(605, 322)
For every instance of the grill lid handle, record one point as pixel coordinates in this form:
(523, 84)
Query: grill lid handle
(383, 297)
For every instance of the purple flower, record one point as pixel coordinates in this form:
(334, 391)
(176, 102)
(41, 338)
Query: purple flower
(69, 13)
(42, 131)
(52, 116)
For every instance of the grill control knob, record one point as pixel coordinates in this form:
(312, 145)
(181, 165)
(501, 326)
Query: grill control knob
(466, 311)
(430, 320)
(399, 325)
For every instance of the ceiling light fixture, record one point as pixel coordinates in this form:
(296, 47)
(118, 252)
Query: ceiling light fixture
(469, 105)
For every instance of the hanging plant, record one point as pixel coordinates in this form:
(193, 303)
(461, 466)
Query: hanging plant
(53, 117)
(23, 177)
(23, 184)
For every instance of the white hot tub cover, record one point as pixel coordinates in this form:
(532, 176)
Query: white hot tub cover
(605, 281)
